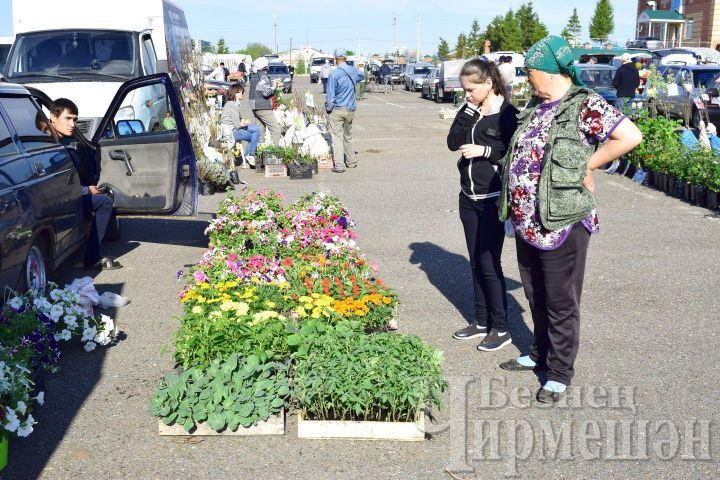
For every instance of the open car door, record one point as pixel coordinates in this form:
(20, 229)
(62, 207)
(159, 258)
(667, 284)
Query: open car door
(145, 151)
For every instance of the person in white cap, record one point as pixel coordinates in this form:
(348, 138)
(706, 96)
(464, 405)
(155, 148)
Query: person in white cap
(340, 104)
(261, 104)
(626, 81)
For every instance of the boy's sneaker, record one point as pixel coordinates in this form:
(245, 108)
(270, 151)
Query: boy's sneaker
(495, 340)
(471, 331)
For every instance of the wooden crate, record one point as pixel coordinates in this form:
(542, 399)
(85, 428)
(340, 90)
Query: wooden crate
(325, 161)
(275, 171)
(274, 425)
(359, 430)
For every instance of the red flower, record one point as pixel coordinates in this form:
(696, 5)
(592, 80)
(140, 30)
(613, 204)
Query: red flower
(288, 262)
(530, 234)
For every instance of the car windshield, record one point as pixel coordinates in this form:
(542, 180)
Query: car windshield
(4, 50)
(422, 70)
(317, 62)
(75, 52)
(596, 77)
(278, 70)
(704, 78)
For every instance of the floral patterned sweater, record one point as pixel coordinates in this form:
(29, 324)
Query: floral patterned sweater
(598, 119)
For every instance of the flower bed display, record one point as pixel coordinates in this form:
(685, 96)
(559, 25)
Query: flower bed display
(33, 327)
(288, 285)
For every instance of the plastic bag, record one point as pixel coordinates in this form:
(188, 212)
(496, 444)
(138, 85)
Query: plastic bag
(86, 291)
(111, 299)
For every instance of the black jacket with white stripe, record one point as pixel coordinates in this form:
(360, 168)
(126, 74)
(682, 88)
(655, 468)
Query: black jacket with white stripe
(480, 176)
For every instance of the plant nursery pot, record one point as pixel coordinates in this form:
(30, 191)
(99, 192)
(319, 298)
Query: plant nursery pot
(271, 158)
(301, 171)
(207, 188)
(234, 177)
(679, 189)
(622, 166)
(659, 181)
(649, 178)
(315, 167)
(701, 194)
(630, 170)
(3, 451)
(361, 430)
(687, 191)
(670, 185)
(712, 200)
(275, 425)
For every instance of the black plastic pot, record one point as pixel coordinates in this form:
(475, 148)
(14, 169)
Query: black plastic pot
(207, 188)
(649, 178)
(622, 166)
(301, 171)
(259, 165)
(712, 200)
(687, 191)
(630, 170)
(670, 186)
(234, 177)
(679, 191)
(315, 168)
(701, 194)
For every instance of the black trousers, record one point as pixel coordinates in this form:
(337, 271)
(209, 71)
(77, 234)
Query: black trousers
(484, 235)
(553, 281)
(102, 205)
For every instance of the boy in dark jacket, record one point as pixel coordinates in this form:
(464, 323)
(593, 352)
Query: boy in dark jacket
(626, 81)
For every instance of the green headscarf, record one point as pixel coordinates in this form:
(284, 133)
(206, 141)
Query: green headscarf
(552, 54)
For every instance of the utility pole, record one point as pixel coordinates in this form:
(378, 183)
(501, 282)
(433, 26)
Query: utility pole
(394, 34)
(275, 32)
(291, 51)
(417, 51)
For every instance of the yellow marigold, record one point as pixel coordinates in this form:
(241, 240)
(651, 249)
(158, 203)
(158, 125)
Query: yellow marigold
(231, 284)
(387, 300)
(270, 304)
(301, 312)
(204, 286)
(305, 299)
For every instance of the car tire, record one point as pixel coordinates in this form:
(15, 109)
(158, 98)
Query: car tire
(35, 268)
(695, 118)
(438, 97)
(113, 232)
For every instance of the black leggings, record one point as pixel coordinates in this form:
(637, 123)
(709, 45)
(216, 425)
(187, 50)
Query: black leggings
(484, 235)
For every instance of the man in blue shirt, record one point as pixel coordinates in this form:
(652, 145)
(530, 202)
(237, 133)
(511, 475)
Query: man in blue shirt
(340, 105)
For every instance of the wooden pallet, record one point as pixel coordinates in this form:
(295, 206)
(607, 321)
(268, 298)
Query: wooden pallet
(359, 430)
(275, 171)
(274, 425)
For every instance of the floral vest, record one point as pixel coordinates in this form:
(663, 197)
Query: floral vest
(563, 198)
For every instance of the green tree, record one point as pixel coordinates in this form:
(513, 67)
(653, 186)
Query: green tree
(572, 30)
(443, 50)
(256, 50)
(531, 27)
(350, 53)
(461, 46)
(300, 67)
(221, 47)
(602, 22)
(504, 32)
(474, 39)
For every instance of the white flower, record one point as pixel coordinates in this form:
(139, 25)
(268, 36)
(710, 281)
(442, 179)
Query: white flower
(89, 346)
(40, 398)
(71, 321)
(15, 303)
(26, 428)
(88, 334)
(42, 304)
(56, 294)
(12, 421)
(56, 312)
(21, 407)
(64, 335)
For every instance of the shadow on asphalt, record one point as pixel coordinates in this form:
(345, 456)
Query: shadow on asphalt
(65, 394)
(442, 267)
(166, 231)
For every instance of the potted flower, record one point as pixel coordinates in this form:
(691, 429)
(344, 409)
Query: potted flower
(301, 166)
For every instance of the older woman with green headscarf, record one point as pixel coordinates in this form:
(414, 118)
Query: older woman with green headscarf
(565, 133)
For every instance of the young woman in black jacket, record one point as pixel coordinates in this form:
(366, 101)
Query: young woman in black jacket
(482, 131)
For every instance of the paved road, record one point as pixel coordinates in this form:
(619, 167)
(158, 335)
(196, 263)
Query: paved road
(646, 373)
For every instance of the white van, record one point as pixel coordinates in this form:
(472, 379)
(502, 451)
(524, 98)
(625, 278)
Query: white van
(85, 52)
(316, 63)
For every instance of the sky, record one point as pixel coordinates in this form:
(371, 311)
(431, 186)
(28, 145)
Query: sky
(364, 26)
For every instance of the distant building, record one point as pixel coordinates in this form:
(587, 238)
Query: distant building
(692, 23)
(202, 45)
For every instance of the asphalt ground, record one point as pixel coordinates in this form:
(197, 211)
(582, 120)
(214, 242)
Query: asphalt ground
(646, 394)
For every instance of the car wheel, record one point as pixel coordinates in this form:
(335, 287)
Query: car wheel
(438, 96)
(34, 274)
(695, 118)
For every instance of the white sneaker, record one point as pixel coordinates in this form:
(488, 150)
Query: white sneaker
(250, 159)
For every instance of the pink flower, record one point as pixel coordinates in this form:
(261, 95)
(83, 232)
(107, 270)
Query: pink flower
(200, 276)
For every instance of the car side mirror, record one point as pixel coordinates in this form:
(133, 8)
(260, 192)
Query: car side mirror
(129, 127)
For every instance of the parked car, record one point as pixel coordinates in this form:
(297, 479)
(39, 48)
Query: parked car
(684, 84)
(711, 99)
(5, 44)
(448, 80)
(600, 78)
(41, 221)
(397, 73)
(650, 43)
(673, 56)
(316, 63)
(429, 84)
(280, 71)
(415, 73)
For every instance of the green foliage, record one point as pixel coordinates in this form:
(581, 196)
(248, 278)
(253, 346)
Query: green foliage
(211, 172)
(504, 32)
(384, 376)
(221, 47)
(660, 146)
(228, 394)
(531, 28)
(443, 52)
(474, 40)
(461, 46)
(602, 23)
(256, 50)
(572, 30)
(300, 68)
